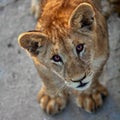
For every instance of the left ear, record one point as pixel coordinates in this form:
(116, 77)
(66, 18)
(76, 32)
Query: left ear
(32, 41)
(83, 18)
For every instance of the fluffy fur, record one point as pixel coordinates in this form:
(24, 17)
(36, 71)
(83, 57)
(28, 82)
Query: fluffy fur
(69, 48)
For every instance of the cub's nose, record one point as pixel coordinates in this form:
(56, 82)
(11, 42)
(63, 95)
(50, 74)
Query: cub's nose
(78, 79)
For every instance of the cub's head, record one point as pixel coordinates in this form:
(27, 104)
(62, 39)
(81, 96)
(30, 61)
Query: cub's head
(73, 48)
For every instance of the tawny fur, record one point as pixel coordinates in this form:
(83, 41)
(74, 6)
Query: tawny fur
(61, 26)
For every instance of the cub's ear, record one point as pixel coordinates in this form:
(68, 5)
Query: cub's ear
(83, 18)
(32, 41)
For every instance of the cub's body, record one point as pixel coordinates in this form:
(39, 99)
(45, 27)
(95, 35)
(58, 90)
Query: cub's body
(69, 48)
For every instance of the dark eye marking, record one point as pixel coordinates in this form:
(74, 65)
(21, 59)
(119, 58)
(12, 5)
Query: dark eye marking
(56, 58)
(79, 48)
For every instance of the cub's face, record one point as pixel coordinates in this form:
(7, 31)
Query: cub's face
(70, 56)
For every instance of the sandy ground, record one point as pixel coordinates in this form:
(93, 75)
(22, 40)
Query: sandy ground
(19, 81)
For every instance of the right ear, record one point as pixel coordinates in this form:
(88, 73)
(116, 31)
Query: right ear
(83, 18)
(32, 41)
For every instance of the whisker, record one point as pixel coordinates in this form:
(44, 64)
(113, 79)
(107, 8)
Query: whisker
(58, 75)
(60, 89)
(90, 73)
(51, 70)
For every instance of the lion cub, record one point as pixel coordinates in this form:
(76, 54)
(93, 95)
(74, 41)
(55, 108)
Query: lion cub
(69, 48)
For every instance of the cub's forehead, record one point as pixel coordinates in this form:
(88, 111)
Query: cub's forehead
(66, 44)
(63, 45)
(69, 41)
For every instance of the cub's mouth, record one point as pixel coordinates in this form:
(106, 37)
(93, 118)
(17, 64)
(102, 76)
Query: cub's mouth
(80, 84)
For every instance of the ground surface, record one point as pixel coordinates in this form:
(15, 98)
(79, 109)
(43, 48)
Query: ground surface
(18, 90)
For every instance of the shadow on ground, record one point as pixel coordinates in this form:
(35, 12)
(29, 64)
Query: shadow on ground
(19, 82)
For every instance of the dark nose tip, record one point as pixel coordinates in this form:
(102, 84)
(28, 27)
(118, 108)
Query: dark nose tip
(79, 80)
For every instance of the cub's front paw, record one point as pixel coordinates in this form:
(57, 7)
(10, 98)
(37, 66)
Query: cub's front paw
(52, 104)
(93, 100)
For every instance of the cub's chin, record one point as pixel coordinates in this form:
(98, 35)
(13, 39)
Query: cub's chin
(83, 86)
(80, 85)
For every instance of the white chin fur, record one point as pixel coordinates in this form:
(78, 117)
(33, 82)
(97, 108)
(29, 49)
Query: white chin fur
(75, 85)
(85, 87)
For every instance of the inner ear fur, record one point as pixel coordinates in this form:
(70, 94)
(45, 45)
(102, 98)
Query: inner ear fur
(32, 41)
(83, 17)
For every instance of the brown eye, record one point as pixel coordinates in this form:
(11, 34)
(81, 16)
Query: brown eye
(56, 58)
(79, 48)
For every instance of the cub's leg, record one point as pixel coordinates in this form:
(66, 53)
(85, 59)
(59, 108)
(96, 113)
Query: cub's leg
(35, 8)
(52, 104)
(91, 99)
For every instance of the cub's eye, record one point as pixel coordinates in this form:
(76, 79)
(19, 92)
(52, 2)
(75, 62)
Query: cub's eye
(56, 58)
(79, 48)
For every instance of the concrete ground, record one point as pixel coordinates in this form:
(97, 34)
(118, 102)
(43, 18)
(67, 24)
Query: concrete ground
(19, 81)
